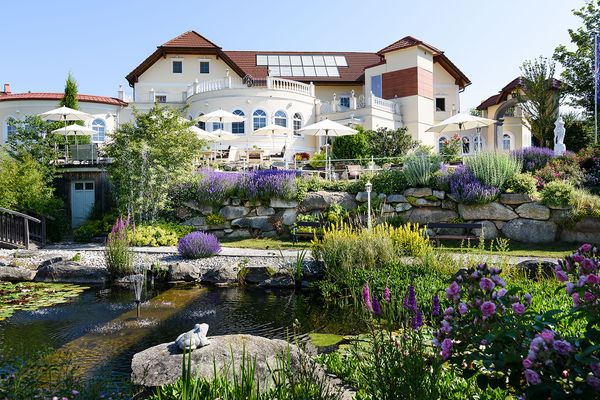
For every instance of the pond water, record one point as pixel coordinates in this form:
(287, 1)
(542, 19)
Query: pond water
(100, 332)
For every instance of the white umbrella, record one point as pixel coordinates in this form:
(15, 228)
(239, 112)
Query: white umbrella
(65, 114)
(461, 122)
(328, 128)
(202, 134)
(221, 116)
(224, 136)
(272, 130)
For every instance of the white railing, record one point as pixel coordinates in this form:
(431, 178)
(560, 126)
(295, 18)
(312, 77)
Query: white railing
(382, 104)
(355, 103)
(270, 82)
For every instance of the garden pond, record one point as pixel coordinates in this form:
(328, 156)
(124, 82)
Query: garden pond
(98, 330)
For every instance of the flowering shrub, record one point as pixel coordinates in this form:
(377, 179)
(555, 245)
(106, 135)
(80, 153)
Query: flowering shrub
(451, 149)
(117, 256)
(558, 194)
(198, 245)
(467, 189)
(267, 184)
(521, 183)
(533, 158)
(564, 168)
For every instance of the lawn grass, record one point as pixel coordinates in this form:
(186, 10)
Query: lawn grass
(264, 243)
(515, 249)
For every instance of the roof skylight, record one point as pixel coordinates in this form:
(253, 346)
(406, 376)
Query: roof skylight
(302, 65)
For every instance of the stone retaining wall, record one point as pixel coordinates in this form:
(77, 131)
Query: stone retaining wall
(515, 216)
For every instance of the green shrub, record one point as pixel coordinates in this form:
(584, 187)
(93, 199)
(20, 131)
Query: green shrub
(585, 204)
(158, 234)
(389, 181)
(214, 219)
(351, 146)
(419, 169)
(558, 194)
(493, 169)
(317, 160)
(336, 213)
(94, 228)
(521, 183)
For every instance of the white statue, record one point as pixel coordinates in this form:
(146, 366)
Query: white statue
(193, 339)
(559, 137)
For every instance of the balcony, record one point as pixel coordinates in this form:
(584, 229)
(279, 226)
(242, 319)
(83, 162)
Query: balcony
(79, 155)
(270, 82)
(356, 103)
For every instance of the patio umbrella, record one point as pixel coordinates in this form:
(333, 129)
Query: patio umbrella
(202, 134)
(74, 130)
(461, 122)
(327, 128)
(221, 116)
(65, 114)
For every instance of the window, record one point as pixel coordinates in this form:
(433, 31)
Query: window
(177, 67)
(89, 186)
(297, 123)
(238, 127)
(259, 119)
(376, 85)
(466, 145)
(441, 144)
(506, 142)
(440, 104)
(200, 124)
(204, 67)
(477, 143)
(10, 130)
(160, 98)
(280, 118)
(217, 126)
(345, 101)
(99, 128)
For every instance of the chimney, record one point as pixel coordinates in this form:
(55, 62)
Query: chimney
(6, 89)
(121, 93)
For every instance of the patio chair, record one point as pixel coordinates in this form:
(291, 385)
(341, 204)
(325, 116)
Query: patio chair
(279, 156)
(232, 156)
(353, 171)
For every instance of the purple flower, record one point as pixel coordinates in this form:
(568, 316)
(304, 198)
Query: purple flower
(588, 265)
(593, 279)
(376, 307)
(198, 245)
(366, 293)
(532, 377)
(527, 298)
(576, 299)
(453, 291)
(594, 382)
(570, 286)
(561, 276)
(467, 189)
(527, 363)
(533, 158)
(462, 308)
(417, 320)
(449, 311)
(562, 347)
(386, 294)
(410, 301)
(547, 335)
(501, 292)
(585, 248)
(536, 344)
(499, 281)
(74, 392)
(446, 348)
(446, 328)
(435, 309)
(518, 308)
(589, 297)
(596, 368)
(486, 284)
(488, 308)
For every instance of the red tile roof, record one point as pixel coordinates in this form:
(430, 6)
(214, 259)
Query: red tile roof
(555, 84)
(406, 42)
(86, 98)
(191, 39)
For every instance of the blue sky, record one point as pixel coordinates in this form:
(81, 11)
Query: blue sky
(102, 41)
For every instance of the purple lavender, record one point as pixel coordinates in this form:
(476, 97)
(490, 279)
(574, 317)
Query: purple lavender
(417, 321)
(198, 245)
(533, 158)
(435, 308)
(466, 188)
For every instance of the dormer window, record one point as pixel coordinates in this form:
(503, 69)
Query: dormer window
(177, 67)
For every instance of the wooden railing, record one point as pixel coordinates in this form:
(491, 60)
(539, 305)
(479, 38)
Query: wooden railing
(15, 229)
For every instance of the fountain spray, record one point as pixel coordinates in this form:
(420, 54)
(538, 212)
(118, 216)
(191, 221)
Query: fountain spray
(137, 281)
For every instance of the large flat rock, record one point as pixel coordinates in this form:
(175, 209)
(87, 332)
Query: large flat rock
(490, 211)
(16, 274)
(321, 200)
(530, 230)
(72, 272)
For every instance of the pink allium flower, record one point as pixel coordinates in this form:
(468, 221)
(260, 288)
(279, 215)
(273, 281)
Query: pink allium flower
(588, 265)
(532, 377)
(518, 308)
(488, 308)
(453, 291)
(593, 279)
(547, 335)
(486, 284)
(462, 308)
(578, 258)
(561, 276)
(562, 347)
(589, 297)
(527, 363)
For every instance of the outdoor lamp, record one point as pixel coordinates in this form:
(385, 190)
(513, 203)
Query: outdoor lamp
(368, 188)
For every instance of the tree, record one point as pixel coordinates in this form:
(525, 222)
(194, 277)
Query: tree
(148, 156)
(539, 98)
(351, 146)
(70, 97)
(578, 64)
(390, 142)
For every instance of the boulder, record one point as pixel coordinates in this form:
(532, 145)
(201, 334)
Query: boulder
(279, 281)
(494, 211)
(27, 254)
(289, 216)
(418, 192)
(421, 202)
(533, 211)
(535, 269)
(448, 205)
(235, 201)
(72, 272)
(440, 194)
(203, 208)
(400, 207)
(260, 211)
(490, 231)
(362, 197)
(16, 274)
(396, 198)
(280, 203)
(161, 364)
(263, 223)
(196, 222)
(424, 215)
(530, 230)
(585, 231)
(221, 275)
(50, 261)
(233, 212)
(387, 208)
(382, 196)
(184, 271)
(239, 234)
(258, 274)
(313, 270)
(321, 200)
(515, 198)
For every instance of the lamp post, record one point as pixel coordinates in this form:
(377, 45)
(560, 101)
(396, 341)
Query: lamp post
(368, 188)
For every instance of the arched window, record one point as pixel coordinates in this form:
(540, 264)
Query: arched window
(477, 143)
(238, 127)
(200, 124)
(297, 123)
(280, 118)
(442, 144)
(506, 142)
(259, 119)
(466, 145)
(10, 129)
(99, 128)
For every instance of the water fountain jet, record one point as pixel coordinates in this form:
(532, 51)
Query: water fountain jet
(137, 281)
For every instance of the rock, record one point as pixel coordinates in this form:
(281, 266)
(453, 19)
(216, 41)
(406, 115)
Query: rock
(227, 230)
(182, 213)
(448, 205)
(418, 192)
(515, 198)
(50, 261)
(421, 202)
(239, 233)
(280, 203)
(223, 275)
(281, 281)
(560, 216)
(396, 198)
(257, 275)
(535, 269)
(490, 231)
(194, 339)
(196, 222)
(440, 194)
(236, 201)
(161, 364)
(382, 196)
(533, 211)
(27, 254)
(16, 274)
(424, 215)
(263, 223)
(387, 208)
(362, 197)
(269, 234)
(585, 231)
(400, 207)
(494, 211)
(254, 203)
(203, 208)
(289, 217)
(499, 224)
(530, 230)
(72, 272)
(321, 200)
(184, 271)
(313, 270)
(265, 211)
(233, 212)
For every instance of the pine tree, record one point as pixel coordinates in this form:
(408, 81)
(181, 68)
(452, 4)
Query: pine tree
(70, 97)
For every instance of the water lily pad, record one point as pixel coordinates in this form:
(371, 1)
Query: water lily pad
(324, 339)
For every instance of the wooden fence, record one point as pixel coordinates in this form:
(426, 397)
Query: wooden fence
(17, 229)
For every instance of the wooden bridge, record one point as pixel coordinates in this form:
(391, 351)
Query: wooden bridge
(17, 230)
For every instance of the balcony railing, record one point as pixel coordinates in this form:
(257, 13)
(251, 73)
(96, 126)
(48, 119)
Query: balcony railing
(79, 154)
(353, 103)
(270, 82)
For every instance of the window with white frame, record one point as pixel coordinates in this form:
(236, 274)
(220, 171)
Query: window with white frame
(297, 124)
(204, 67)
(160, 98)
(99, 128)
(466, 145)
(259, 119)
(506, 142)
(477, 143)
(217, 125)
(10, 129)
(345, 101)
(238, 127)
(280, 118)
(442, 144)
(177, 66)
